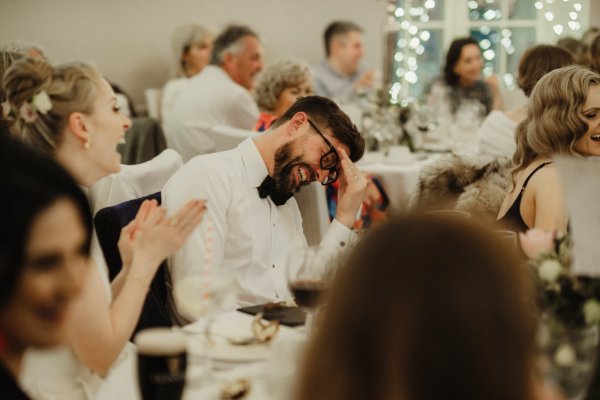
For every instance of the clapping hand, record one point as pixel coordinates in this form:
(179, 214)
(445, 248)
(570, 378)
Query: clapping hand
(153, 237)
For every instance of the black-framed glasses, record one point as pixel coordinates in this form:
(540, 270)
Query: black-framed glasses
(329, 160)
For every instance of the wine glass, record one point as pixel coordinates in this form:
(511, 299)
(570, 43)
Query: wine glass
(201, 298)
(308, 275)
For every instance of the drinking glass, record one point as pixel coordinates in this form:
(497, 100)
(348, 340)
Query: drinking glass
(202, 298)
(162, 363)
(308, 275)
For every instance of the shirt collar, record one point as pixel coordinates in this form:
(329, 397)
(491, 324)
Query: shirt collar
(256, 170)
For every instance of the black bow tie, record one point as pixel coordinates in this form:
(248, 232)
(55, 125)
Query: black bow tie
(268, 188)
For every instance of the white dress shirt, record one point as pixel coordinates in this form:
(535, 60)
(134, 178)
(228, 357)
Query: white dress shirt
(208, 99)
(251, 236)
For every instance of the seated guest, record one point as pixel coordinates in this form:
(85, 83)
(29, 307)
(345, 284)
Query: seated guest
(219, 95)
(249, 192)
(341, 76)
(44, 254)
(497, 131)
(595, 55)
(576, 47)
(70, 112)
(445, 312)
(562, 118)
(278, 87)
(462, 81)
(191, 45)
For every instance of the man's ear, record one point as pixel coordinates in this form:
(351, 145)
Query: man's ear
(297, 121)
(79, 125)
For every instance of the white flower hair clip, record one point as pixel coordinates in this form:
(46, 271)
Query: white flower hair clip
(40, 102)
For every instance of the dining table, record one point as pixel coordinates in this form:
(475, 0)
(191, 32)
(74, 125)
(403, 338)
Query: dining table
(268, 369)
(398, 175)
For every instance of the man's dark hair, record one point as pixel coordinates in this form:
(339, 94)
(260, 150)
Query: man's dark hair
(228, 39)
(338, 28)
(326, 114)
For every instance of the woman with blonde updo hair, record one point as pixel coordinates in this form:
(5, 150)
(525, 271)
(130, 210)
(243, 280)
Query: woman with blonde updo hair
(563, 117)
(278, 87)
(71, 112)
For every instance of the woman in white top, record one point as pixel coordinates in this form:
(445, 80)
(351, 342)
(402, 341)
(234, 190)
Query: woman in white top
(191, 45)
(71, 112)
(497, 132)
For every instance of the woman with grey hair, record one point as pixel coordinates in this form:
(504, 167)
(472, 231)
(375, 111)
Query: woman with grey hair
(278, 87)
(192, 45)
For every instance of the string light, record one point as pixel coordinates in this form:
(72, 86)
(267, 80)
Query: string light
(410, 43)
(559, 28)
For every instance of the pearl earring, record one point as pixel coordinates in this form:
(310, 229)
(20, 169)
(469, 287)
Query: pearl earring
(86, 145)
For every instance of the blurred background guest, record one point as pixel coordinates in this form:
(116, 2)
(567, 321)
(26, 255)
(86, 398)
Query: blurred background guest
(577, 47)
(405, 327)
(497, 131)
(44, 255)
(562, 118)
(191, 45)
(278, 87)
(462, 80)
(219, 95)
(71, 112)
(595, 55)
(341, 75)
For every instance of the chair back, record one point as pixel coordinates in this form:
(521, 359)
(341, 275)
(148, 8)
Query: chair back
(108, 223)
(153, 97)
(144, 140)
(227, 137)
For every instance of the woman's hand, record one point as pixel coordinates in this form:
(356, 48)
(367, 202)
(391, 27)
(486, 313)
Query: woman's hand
(126, 239)
(152, 237)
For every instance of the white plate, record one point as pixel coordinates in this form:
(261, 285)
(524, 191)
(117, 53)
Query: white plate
(225, 352)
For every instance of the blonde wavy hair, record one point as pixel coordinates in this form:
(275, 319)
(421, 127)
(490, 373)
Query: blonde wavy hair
(554, 120)
(71, 87)
(276, 78)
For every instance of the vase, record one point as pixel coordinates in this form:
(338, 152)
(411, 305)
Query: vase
(568, 356)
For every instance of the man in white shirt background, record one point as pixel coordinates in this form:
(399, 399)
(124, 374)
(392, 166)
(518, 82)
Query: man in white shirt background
(218, 95)
(341, 76)
(250, 234)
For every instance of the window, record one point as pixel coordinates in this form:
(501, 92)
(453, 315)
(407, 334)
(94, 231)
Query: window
(422, 30)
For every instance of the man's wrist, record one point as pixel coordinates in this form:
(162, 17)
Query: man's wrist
(345, 219)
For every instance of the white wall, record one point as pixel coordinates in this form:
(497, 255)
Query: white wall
(130, 39)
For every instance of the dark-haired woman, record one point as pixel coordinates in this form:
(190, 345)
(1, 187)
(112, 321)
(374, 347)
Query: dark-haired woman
(44, 256)
(462, 80)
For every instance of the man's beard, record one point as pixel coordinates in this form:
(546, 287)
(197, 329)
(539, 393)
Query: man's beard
(285, 163)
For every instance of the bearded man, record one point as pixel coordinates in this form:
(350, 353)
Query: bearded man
(252, 219)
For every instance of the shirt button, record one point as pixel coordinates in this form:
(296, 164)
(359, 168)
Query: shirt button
(273, 265)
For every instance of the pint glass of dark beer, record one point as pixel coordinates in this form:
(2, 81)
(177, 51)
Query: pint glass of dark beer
(162, 362)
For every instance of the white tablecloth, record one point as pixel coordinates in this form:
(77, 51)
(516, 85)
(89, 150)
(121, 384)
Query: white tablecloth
(269, 375)
(399, 180)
